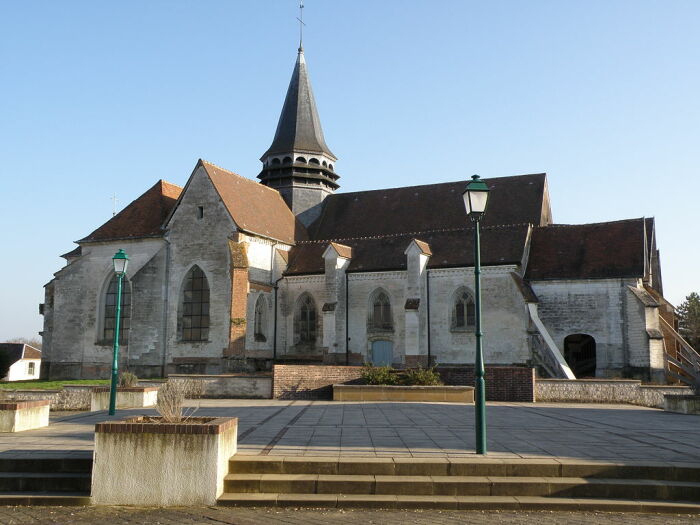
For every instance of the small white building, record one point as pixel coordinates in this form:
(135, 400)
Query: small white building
(25, 361)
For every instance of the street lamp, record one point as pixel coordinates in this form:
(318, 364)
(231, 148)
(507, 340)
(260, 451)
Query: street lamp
(120, 261)
(475, 198)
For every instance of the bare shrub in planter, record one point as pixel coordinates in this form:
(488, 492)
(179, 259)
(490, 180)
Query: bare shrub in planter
(171, 398)
(128, 380)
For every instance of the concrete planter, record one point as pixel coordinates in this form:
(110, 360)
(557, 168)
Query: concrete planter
(162, 464)
(452, 394)
(131, 397)
(682, 404)
(24, 415)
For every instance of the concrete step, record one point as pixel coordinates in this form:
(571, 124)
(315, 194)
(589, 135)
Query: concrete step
(462, 467)
(64, 499)
(462, 486)
(455, 502)
(45, 482)
(51, 465)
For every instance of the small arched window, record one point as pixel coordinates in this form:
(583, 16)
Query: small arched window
(313, 161)
(330, 167)
(301, 159)
(380, 312)
(305, 321)
(195, 306)
(324, 164)
(110, 311)
(463, 310)
(260, 308)
(275, 161)
(287, 160)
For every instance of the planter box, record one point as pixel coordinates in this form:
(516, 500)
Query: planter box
(132, 397)
(24, 415)
(162, 464)
(682, 404)
(451, 394)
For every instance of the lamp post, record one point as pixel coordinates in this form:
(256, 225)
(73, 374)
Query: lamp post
(120, 261)
(475, 199)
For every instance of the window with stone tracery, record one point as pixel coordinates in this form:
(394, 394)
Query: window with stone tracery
(194, 307)
(110, 311)
(305, 321)
(259, 324)
(463, 310)
(379, 318)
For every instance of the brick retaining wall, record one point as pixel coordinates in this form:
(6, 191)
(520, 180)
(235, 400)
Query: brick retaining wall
(503, 383)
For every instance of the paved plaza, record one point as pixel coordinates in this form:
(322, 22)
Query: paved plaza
(326, 428)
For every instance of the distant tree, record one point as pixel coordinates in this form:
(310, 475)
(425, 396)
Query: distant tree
(35, 342)
(688, 313)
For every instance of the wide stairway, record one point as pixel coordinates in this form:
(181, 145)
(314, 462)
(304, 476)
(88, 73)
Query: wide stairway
(470, 483)
(39, 481)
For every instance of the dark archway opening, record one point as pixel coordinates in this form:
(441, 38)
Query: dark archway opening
(579, 352)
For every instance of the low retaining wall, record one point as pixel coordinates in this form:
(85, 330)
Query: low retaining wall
(127, 397)
(23, 415)
(503, 383)
(73, 399)
(629, 391)
(682, 404)
(241, 386)
(450, 394)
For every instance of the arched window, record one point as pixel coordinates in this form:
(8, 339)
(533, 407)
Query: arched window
(260, 308)
(380, 312)
(195, 306)
(275, 161)
(330, 167)
(324, 164)
(301, 159)
(305, 321)
(287, 160)
(110, 311)
(313, 160)
(463, 310)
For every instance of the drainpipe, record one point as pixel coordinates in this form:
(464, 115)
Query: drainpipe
(347, 328)
(274, 332)
(427, 308)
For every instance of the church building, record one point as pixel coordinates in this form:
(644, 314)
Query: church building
(228, 274)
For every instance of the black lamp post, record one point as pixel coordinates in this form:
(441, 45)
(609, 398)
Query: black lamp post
(475, 199)
(121, 262)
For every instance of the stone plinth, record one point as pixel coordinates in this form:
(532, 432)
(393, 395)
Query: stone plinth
(450, 394)
(24, 415)
(682, 404)
(127, 397)
(162, 464)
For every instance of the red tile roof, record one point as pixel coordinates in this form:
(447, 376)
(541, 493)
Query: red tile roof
(17, 351)
(144, 217)
(255, 208)
(587, 251)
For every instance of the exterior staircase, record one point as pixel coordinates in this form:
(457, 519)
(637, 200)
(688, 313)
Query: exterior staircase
(40, 481)
(469, 483)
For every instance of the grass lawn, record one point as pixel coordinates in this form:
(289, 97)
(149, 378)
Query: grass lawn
(49, 385)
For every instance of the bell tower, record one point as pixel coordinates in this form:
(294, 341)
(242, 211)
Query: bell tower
(299, 164)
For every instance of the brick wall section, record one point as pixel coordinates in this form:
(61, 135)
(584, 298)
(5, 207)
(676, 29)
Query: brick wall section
(315, 382)
(239, 298)
(503, 383)
(311, 381)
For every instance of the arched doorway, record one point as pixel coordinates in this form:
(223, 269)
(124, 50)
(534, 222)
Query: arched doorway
(579, 352)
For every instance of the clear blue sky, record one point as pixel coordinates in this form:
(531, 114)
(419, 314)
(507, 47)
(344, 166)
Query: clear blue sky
(108, 97)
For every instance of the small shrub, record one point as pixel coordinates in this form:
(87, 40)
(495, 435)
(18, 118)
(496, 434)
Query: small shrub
(422, 377)
(127, 380)
(379, 375)
(171, 399)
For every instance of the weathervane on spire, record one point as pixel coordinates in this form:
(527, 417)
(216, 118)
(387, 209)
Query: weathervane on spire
(301, 25)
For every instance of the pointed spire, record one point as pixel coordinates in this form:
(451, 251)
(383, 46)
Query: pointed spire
(299, 127)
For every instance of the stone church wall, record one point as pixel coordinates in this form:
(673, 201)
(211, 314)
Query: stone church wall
(76, 349)
(601, 308)
(204, 242)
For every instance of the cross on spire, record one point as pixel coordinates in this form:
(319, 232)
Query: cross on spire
(301, 25)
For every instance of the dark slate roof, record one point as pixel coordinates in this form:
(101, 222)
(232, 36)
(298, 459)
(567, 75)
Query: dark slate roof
(455, 248)
(17, 351)
(75, 252)
(299, 127)
(144, 217)
(416, 209)
(587, 251)
(255, 208)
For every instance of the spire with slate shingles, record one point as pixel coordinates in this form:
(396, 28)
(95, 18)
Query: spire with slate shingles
(299, 163)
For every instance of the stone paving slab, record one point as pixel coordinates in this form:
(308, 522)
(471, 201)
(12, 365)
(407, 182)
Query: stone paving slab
(620, 433)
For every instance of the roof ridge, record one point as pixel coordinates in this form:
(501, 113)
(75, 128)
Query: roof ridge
(240, 176)
(405, 234)
(634, 219)
(464, 181)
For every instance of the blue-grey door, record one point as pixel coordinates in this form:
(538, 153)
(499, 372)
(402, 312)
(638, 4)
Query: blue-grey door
(382, 353)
